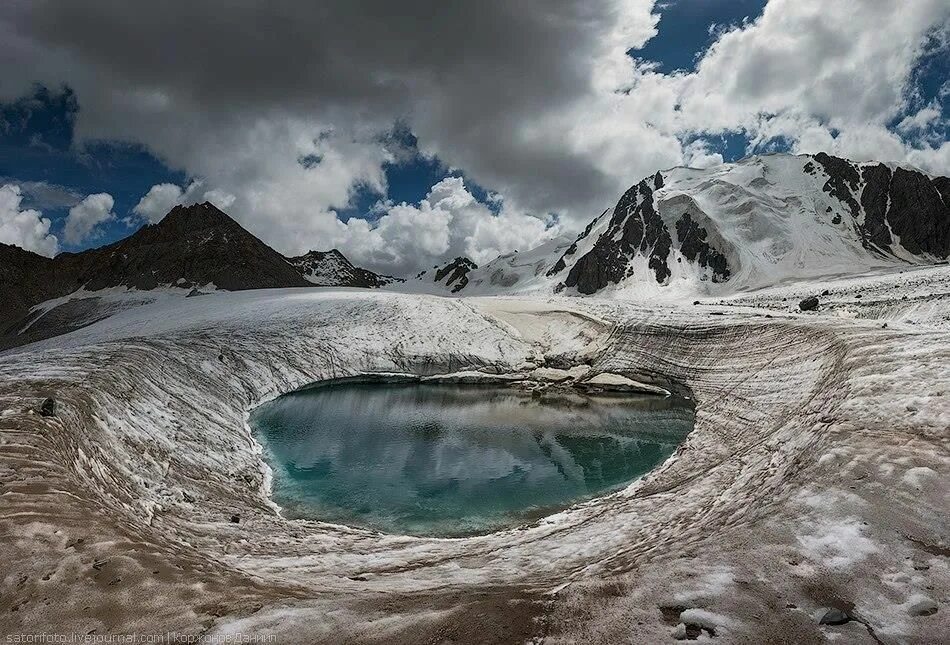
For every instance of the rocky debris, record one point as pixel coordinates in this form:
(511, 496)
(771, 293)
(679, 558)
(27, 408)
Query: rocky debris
(455, 273)
(48, 408)
(809, 304)
(833, 616)
(332, 269)
(235, 519)
(920, 605)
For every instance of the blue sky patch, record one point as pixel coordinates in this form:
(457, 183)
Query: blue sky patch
(36, 151)
(688, 27)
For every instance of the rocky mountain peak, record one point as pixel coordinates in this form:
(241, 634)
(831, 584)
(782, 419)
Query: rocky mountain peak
(332, 268)
(759, 221)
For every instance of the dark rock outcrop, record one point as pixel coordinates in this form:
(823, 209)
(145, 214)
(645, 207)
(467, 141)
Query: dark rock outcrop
(25, 280)
(455, 273)
(634, 228)
(918, 214)
(843, 180)
(903, 204)
(809, 304)
(874, 199)
(695, 248)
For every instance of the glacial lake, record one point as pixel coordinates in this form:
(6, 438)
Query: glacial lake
(456, 460)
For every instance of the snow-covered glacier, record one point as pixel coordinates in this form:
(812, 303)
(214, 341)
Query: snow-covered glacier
(136, 499)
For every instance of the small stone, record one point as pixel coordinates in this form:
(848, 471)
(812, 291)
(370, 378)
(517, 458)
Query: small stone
(834, 616)
(826, 293)
(923, 607)
(858, 296)
(48, 409)
(884, 326)
(809, 304)
(235, 519)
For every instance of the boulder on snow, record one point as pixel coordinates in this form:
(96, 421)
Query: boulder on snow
(833, 616)
(48, 408)
(809, 304)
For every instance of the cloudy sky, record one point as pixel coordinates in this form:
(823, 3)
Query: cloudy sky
(407, 132)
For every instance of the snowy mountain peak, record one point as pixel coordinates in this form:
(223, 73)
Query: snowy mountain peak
(757, 222)
(332, 269)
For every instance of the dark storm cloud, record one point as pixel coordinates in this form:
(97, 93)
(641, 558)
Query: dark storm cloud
(535, 99)
(467, 77)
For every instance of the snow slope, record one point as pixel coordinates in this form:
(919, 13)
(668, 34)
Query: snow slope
(815, 475)
(760, 222)
(516, 273)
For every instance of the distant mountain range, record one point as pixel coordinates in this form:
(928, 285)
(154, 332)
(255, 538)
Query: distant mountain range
(733, 227)
(755, 223)
(192, 246)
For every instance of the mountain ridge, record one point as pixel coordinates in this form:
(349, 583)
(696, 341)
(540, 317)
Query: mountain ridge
(196, 245)
(741, 226)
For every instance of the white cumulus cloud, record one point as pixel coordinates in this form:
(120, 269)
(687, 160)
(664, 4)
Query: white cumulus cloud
(568, 123)
(85, 217)
(161, 198)
(447, 223)
(27, 229)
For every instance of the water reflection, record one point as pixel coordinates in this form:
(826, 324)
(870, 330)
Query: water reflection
(452, 460)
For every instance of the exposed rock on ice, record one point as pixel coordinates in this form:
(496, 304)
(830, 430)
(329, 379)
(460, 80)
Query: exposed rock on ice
(618, 383)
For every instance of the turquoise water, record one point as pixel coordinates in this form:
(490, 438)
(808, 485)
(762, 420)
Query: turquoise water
(451, 460)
